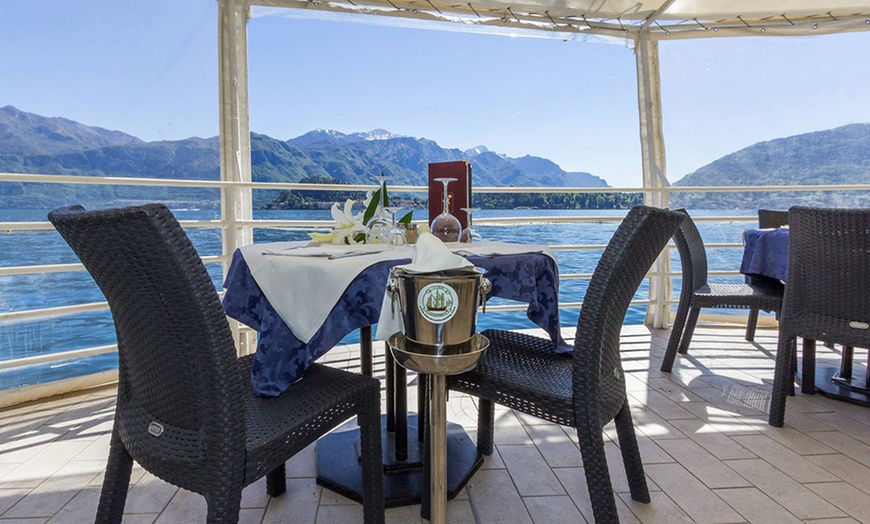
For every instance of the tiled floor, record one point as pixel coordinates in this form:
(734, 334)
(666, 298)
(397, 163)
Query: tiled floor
(708, 451)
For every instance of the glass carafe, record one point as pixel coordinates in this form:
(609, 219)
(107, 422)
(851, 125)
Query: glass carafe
(446, 226)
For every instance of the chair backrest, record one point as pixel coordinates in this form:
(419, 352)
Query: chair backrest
(768, 218)
(180, 389)
(827, 290)
(693, 256)
(597, 373)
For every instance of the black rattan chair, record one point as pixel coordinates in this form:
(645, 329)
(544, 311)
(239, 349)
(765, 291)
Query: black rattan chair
(827, 293)
(586, 389)
(185, 410)
(697, 293)
(769, 219)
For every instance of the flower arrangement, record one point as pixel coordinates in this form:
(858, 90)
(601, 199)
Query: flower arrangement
(350, 228)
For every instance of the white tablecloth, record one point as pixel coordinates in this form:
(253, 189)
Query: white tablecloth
(303, 289)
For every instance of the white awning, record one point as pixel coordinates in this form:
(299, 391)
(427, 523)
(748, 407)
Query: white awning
(662, 19)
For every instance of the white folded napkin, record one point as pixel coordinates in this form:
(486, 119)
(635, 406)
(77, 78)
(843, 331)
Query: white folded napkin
(430, 255)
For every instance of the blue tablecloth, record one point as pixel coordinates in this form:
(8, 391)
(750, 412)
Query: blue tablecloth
(281, 358)
(765, 254)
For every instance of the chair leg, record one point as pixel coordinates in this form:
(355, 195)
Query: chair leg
(276, 481)
(485, 426)
(224, 508)
(792, 368)
(116, 482)
(631, 455)
(781, 376)
(751, 323)
(372, 465)
(690, 330)
(808, 373)
(597, 475)
(674, 340)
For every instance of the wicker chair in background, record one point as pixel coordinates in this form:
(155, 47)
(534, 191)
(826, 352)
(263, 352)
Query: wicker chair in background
(697, 293)
(586, 389)
(827, 293)
(771, 219)
(185, 410)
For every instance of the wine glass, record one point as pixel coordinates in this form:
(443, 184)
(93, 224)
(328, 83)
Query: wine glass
(470, 234)
(394, 236)
(379, 223)
(445, 226)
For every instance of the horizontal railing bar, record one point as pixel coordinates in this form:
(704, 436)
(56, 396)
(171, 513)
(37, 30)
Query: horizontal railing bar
(60, 268)
(12, 227)
(30, 314)
(130, 181)
(55, 357)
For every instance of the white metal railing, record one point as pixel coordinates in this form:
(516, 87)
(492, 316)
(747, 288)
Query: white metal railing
(224, 258)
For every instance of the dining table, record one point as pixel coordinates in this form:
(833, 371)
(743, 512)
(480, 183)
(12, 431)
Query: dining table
(304, 300)
(765, 259)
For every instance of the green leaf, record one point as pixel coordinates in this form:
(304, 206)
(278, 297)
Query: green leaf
(372, 207)
(358, 237)
(407, 218)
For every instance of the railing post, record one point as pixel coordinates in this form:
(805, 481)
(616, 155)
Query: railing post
(235, 138)
(654, 170)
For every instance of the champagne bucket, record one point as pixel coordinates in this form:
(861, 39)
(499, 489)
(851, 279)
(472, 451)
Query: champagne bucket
(440, 308)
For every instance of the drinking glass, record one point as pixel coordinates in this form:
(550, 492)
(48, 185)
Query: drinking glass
(379, 223)
(445, 226)
(394, 236)
(469, 234)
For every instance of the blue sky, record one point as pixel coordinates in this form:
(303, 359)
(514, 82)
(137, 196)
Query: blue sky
(149, 68)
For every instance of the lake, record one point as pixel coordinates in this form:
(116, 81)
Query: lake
(53, 335)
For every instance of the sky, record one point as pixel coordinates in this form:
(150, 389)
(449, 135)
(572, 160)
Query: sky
(149, 68)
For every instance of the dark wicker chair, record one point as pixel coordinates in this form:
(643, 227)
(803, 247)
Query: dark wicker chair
(827, 294)
(768, 218)
(185, 409)
(697, 294)
(586, 389)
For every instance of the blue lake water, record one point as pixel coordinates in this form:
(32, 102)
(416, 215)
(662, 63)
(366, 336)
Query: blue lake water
(52, 335)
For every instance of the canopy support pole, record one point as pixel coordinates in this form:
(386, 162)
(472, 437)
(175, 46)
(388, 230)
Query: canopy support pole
(654, 172)
(235, 137)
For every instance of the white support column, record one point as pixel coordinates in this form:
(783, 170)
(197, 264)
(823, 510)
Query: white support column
(235, 135)
(654, 172)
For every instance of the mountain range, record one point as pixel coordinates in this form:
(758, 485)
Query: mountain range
(31, 143)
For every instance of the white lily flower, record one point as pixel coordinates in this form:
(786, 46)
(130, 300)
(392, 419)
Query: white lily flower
(346, 224)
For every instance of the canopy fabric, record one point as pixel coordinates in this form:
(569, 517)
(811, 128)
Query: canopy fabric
(661, 19)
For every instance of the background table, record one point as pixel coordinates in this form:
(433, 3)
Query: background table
(765, 256)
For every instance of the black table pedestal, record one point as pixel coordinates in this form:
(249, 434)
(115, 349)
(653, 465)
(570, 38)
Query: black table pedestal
(338, 463)
(829, 388)
(338, 459)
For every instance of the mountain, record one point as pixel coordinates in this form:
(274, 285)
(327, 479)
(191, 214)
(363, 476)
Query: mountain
(31, 143)
(834, 156)
(25, 134)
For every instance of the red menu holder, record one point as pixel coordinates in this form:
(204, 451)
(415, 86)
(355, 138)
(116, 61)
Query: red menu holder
(458, 193)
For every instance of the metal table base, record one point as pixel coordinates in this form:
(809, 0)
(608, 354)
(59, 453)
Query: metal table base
(338, 460)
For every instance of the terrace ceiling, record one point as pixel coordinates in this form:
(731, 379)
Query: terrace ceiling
(660, 19)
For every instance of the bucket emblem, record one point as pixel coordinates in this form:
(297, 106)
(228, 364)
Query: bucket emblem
(437, 302)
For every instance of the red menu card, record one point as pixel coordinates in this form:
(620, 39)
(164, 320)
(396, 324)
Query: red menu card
(458, 193)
